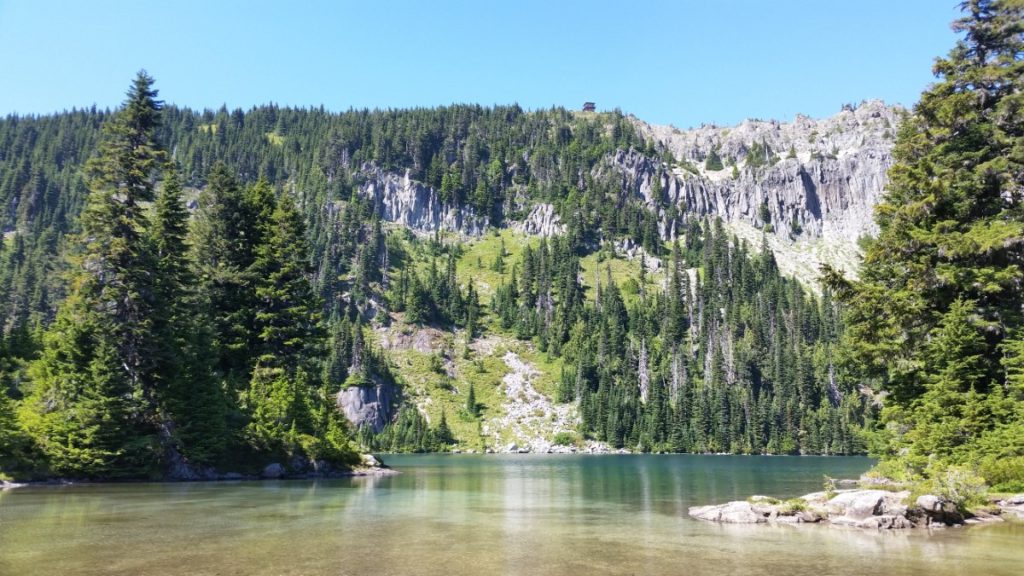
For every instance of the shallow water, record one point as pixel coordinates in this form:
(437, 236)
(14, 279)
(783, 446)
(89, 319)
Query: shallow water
(461, 514)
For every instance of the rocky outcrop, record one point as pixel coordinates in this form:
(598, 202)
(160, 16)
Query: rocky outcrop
(369, 405)
(868, 509)
(273, 471)
(407, 202)
(1013, 506)
(542, 221)
(821, 180)
(729, 513)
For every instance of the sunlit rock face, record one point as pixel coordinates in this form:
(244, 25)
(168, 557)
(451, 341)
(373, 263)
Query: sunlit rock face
(818, 180)
(401, 200)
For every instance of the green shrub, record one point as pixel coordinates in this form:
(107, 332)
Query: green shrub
(713, 163)
(1003, 474)
(565, 439)
(958, 485)
(792, 506)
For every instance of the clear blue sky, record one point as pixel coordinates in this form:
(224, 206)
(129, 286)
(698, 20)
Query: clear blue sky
(681, 62)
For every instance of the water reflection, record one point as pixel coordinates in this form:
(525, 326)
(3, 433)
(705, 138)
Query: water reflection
(456, 515)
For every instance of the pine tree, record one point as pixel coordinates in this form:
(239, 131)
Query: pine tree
(949, 248)
(95, 410)
(224, 237)
(184, 364)
(472, 408)
(289, 332)
(443, 434)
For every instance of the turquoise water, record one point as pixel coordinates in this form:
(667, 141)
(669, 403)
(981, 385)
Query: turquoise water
(463, 514)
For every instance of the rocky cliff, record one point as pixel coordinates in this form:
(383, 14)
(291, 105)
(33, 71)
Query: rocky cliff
(808, 182)
(370, 406)
(811, 184)
(414, 205)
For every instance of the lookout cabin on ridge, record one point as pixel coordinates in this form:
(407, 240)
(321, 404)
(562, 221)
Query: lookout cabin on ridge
(589, 107)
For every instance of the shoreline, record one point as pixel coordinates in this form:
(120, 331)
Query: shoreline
(65, 482)
(370, 466)
(375, 467)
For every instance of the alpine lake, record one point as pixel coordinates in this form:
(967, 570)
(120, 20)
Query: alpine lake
(481, 515)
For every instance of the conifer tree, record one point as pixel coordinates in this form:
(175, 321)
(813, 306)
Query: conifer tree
(443, 433)
(289, 332)
(224, 237)
(184, 363)
(472, 408)
(949, 249)
(96, 410)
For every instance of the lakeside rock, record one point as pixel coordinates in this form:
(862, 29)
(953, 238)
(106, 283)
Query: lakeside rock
(1014, 505)
(871, 509)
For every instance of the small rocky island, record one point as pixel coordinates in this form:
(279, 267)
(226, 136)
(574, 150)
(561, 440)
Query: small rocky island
(874, 508)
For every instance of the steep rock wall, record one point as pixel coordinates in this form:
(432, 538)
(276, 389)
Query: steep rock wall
(822, 181)
(368, 406)
(407, 202)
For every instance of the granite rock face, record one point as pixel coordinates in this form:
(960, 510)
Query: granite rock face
(821, 182)
(414, 205)
(368, 406)
(542, 221)
(825, 175)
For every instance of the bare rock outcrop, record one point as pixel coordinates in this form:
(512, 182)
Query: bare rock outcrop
(1013, 506)
(542, 221)
(413, 204)
(802, 180)
(368, 405)
(857, 508)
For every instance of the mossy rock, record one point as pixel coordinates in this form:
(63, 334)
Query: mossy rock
(357, 380)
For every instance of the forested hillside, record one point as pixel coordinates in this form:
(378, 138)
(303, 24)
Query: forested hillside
(264, 264)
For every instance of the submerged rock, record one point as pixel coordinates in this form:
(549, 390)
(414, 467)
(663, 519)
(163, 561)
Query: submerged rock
(730, 513)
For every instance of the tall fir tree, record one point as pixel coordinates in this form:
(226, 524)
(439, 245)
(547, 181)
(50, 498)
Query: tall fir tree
(95, 409)
(948, 263)
(184, 362)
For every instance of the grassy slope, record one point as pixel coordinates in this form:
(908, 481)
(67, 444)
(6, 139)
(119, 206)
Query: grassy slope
(483, 365)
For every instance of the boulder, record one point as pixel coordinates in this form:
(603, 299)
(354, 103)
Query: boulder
(273, 471)
(938, 510)
(886, 522)
(731, 513)
(368, 406)
(929, 503)
(809, 517)
(1013, 506)
(866, 509)
(858, 504)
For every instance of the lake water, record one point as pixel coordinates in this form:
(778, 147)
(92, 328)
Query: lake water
(490, 515)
